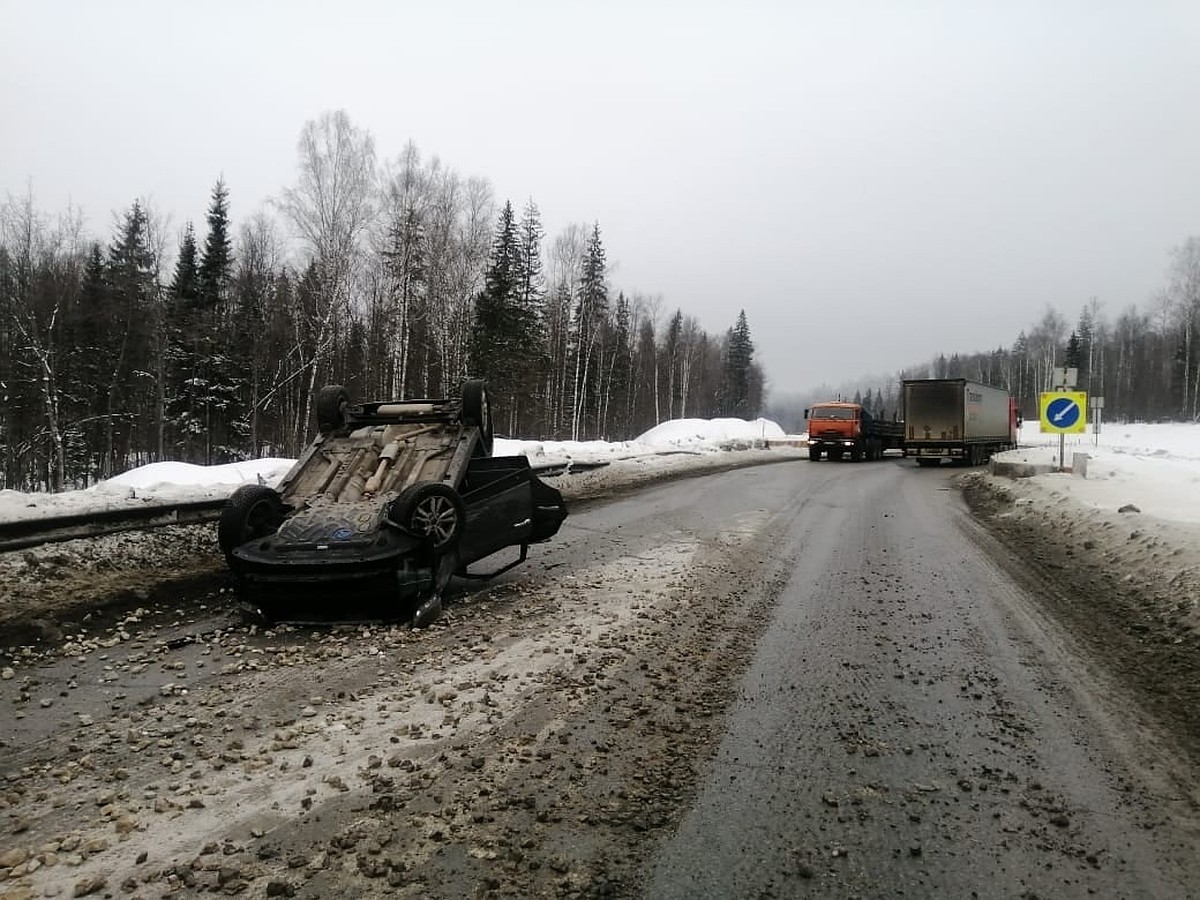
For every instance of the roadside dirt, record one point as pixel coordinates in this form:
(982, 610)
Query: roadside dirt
(1126, 586)
(51, 589)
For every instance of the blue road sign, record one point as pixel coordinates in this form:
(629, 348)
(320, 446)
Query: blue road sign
(1063, 412)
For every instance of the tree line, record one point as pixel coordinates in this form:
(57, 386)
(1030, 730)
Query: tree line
(1145, 362)
(395, 279)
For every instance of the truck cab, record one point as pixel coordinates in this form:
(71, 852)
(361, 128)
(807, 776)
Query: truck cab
(837, 429)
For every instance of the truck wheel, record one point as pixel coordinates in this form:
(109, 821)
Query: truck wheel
(814, 454)
(431, 510)
(926, 463)
(253, 511)
(835, 454)
(477, 411)
(856, 454)
(332, 401)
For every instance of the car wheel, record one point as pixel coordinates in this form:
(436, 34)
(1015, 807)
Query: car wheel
(477, 411)
(332, 401)
(252, 511)
(433, 511)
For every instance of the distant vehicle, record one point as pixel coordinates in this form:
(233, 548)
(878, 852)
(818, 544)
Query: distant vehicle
(389, 501)
(956, 419)
(838, 429)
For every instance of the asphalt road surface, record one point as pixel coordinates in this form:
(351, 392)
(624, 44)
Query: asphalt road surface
(910, 726)
(801, 679)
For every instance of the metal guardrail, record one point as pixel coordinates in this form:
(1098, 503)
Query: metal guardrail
(52, 529)
(24, 533)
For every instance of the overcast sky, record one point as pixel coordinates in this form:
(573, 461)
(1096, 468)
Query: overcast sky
(872, 182)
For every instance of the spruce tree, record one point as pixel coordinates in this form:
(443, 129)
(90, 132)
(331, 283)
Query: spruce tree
(216, 264)
(587, 337)
(124, 337)
(620, 377)
(529, 353)
(493, 318)
(672, 351)
(1074, 354)
(209, 386)
(739, 375)
(185, 283)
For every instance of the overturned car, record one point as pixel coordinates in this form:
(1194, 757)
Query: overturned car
(389, 502)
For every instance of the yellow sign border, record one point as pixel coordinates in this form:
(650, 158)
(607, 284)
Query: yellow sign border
(1044, 401)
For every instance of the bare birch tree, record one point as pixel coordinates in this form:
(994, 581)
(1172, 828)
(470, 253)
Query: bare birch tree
(39, 300)
(331, 208)
(1184, 288)
(260, 258)
(566, 266)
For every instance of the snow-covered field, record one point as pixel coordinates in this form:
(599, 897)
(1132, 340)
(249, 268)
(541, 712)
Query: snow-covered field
(1154, 467)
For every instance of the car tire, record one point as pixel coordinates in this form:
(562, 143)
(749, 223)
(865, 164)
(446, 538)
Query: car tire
(432, 511)
(253, 511)
(477, 411)
(332, 401)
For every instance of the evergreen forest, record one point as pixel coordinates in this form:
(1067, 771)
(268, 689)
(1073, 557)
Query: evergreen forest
(398, 278)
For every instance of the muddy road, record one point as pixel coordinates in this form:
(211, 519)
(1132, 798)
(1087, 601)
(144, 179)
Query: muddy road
(787, 680)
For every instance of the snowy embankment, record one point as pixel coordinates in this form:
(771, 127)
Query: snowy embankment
(663, 450)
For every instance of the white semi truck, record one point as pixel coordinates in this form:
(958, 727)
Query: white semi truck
(956, 419)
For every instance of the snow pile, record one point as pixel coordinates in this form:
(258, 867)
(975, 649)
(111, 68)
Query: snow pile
(676, 436)
(165, 476)
(701, 433)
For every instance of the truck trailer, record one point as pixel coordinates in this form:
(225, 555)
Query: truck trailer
(956, 419)
(838, 429)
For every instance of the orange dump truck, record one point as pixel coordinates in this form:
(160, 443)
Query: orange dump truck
(837, 429)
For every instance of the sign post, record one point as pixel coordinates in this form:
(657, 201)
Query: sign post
(1063, 413)
(1065, 378)
(1097, 407)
